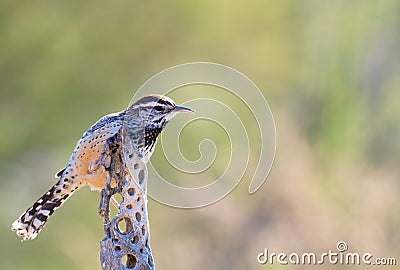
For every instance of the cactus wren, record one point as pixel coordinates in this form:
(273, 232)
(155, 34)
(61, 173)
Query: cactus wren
(145, 119)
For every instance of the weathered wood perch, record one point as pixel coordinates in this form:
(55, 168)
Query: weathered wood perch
(126, 241)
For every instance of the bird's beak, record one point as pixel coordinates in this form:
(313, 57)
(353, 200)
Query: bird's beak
(183, 109)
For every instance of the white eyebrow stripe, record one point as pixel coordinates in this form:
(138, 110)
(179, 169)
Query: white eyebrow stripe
(151, 104)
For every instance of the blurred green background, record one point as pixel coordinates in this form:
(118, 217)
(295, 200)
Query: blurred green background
(330, 71)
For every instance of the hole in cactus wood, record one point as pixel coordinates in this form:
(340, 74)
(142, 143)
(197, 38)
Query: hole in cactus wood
(124, 225)
(128, 261)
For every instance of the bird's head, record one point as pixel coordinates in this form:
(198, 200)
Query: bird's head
(147, 117)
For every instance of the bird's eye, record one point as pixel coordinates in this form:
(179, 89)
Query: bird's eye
(158, 108)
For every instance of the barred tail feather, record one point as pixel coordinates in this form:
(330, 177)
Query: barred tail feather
(32, 221)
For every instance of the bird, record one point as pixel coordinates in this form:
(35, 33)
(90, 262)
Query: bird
(144, 120)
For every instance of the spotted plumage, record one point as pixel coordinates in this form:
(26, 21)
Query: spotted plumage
(143, 121)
